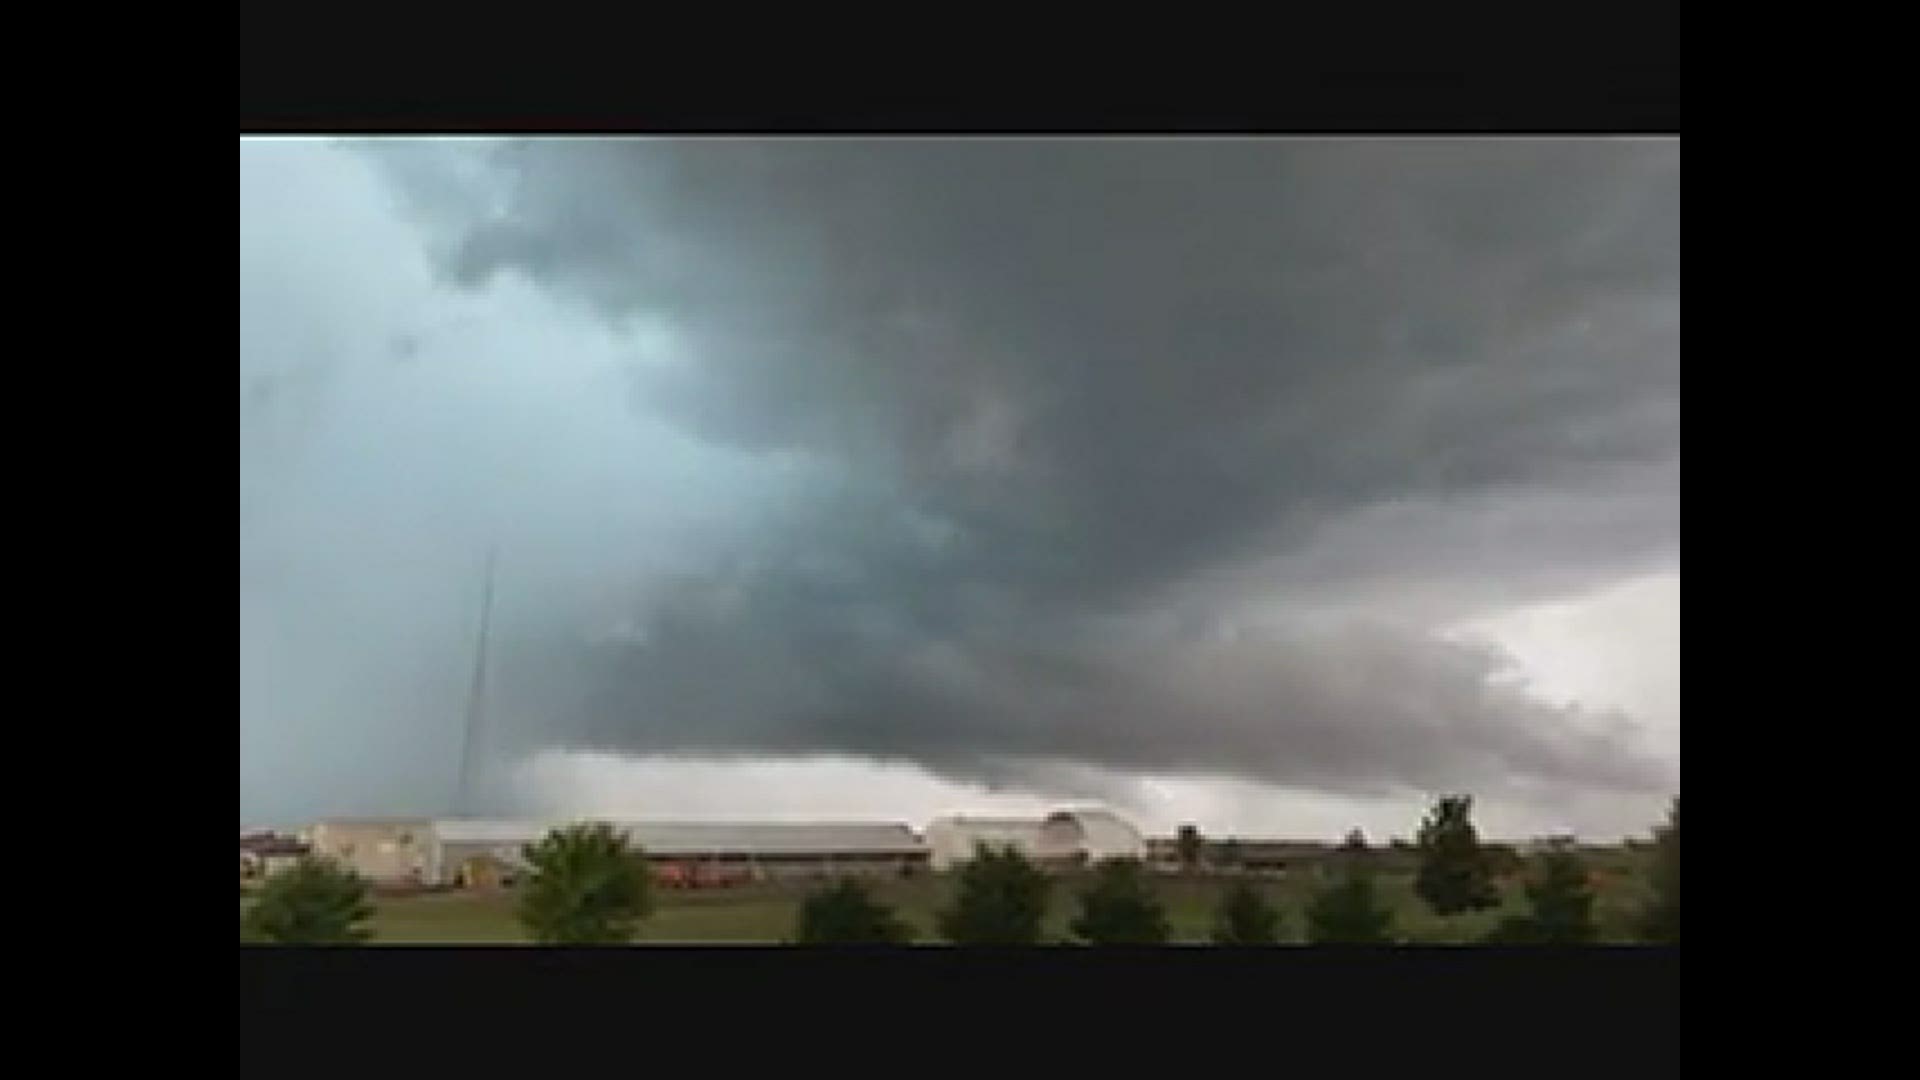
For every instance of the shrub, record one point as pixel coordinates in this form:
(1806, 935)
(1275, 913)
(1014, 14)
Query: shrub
(1245, 918)
(313, 902)
(1002, 900)
(1120, 909)
(584, 886)
(846, 913)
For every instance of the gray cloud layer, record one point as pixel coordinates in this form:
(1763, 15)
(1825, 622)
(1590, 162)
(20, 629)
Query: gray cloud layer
(1158, 455)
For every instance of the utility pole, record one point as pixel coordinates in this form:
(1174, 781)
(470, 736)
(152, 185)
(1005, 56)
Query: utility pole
(476, 694)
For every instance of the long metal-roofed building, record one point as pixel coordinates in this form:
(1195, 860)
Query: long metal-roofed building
(1250, 856)
(750, 849)
(450, 851)
(474, 851)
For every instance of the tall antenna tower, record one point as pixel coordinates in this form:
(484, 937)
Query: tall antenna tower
(476, 694)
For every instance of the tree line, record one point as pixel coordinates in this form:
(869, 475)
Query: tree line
(585, 885)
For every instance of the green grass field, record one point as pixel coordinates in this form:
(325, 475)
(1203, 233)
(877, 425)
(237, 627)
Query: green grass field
(765, 913)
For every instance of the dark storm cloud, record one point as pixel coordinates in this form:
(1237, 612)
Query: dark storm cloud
(1161, 455)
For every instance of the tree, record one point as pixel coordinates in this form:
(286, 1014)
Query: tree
(1191, 846)
(1348, 913)
(1502, 860)
(1245, 918)
(1561, 905)
(1002, 900)
(585, 886)
(1229, 855)
(1455, 875)
(1120, 909)
(313, 902)
(1660, 922)
(845, 913)
(1354, 844)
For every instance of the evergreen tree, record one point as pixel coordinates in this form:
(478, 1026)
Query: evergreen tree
(1502, 860)
(1245, 918)
(313, 902)
(1002, 900)
(1120, 908)
(1660, 922)
(1349, 913)
(1455, 874)
(1191, 847)
(1561, 903)
(585, 886)
(845, 913)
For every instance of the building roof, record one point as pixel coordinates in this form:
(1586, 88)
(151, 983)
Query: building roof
(1089, 813)
(1170, 845)
(1095, 828)
(264, 844)
(1080, 815)
(1030, 829)
(705, 837)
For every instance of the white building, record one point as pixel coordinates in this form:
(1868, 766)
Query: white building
(448, 851)
(264, 854)
(1066, 838)
(1558, 840)
(753, 849)
(387, 851)
(452, 850)
(951, 840)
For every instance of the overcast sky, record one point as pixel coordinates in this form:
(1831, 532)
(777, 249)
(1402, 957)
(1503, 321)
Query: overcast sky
(1277, 485)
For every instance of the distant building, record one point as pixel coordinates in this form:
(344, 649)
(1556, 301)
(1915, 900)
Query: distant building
(1563, 840)
(485, 872)
(385, 851)
(1236, 855)
(399, 852)
(706, 850)
(1065, 839)
(264, 854)
(490, 854)
(1163, 854)
(1280, 856)
(951, 841)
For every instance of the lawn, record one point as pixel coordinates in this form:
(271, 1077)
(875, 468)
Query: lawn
(765, 913)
